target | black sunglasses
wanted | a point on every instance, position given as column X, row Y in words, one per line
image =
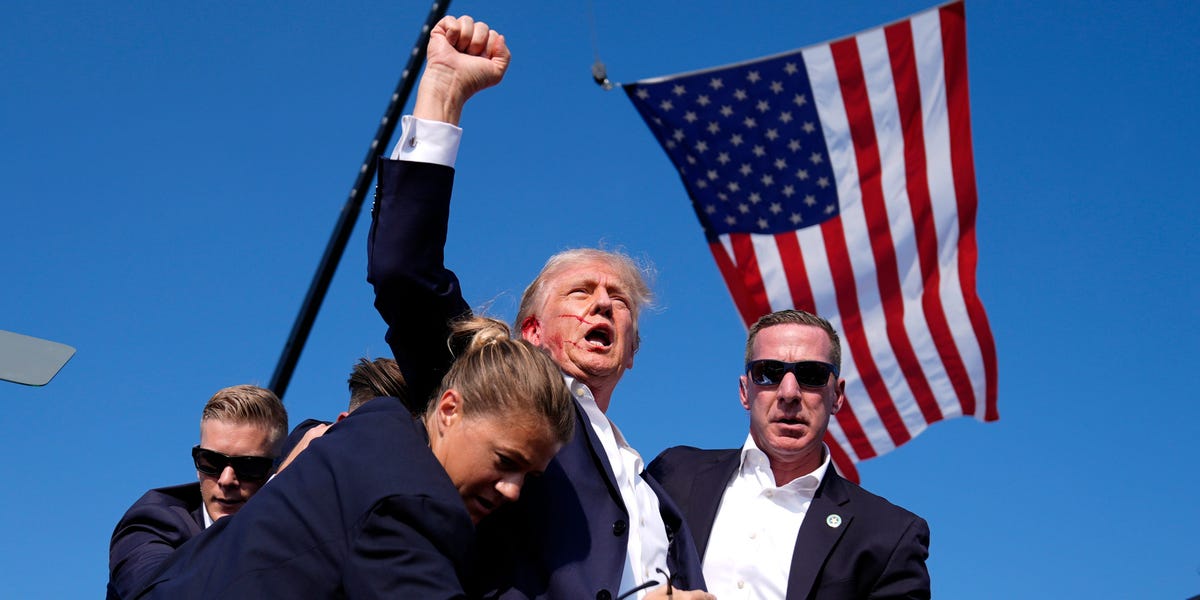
column 247, row 468
column 809, row 373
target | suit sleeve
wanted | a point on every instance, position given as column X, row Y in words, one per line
column 415, row 293
column 409, row 547
column 142, row 542
column 905, row 574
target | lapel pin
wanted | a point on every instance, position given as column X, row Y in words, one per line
column 834, row 521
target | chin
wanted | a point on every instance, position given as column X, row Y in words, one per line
column 791, row 444
column 603, row 366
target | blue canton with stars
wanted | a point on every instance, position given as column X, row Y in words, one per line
column 748, row 144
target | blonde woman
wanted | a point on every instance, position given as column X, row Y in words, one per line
column 385, row 503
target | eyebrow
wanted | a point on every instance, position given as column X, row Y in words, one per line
column 514, row 455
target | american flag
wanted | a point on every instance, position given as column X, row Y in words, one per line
column 839, row 179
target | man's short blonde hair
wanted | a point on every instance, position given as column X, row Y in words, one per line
column 249, row 404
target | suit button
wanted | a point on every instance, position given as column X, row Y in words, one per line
column 603, row 595
column 619, row 527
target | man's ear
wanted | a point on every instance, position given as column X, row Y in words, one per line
column 531, row 330
column 840, row 399
column 744, row 393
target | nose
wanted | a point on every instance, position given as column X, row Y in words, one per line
column 789, row 388
column 227, row 477
column 510, row 487
column 601, row 302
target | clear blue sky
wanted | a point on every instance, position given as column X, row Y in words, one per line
column 172, row 172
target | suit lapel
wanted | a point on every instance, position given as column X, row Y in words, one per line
column 589, row 444
column 195, row 502
column 826, row 521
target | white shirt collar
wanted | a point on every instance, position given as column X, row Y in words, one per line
column 755, row 463
column 599, row 420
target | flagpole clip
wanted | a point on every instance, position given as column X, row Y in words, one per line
column 600, row 76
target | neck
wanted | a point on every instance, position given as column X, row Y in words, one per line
column 430, row 430
column 602, row 390
column 788, row 471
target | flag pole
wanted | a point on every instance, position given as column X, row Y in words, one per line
column 350, row 211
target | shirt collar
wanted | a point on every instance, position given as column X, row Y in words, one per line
column 756, row 463
column 599, row 421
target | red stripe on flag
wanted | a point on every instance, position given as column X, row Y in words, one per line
column 856, row 338
column 954, row 51
column 752, row 280
column 908, row 99
column 841, row 460
column 733, row 281
column 853, row 429
column 870, row 175
column 793, row 268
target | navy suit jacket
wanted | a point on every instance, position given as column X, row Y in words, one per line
column 877, row 551
column 567, row 535
column 366, row 511
column 158, row 523
column 295, row 436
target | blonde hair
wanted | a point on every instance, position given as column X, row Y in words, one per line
column 249, row 404
column 498, row 375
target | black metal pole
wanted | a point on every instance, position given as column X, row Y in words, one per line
column 352, row 208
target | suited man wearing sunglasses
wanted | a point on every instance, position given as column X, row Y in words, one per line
column 241, row 430
column 772, row 519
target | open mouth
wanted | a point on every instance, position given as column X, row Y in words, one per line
column 600, row 335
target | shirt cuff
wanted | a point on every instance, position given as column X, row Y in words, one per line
column 427, row 141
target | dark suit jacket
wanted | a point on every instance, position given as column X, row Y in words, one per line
column 365, row 512
column 567, row 535
column 158, row 523
column 295, row 436
column 878, row 550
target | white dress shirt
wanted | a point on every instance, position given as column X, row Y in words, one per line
column 749, row 553
column 647, row 549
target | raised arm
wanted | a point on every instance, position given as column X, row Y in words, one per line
column 415, row 293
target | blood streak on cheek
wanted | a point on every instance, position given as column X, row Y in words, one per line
column 580, row 318
column 555, row 341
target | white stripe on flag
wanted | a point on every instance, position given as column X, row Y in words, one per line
column 931, row 71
